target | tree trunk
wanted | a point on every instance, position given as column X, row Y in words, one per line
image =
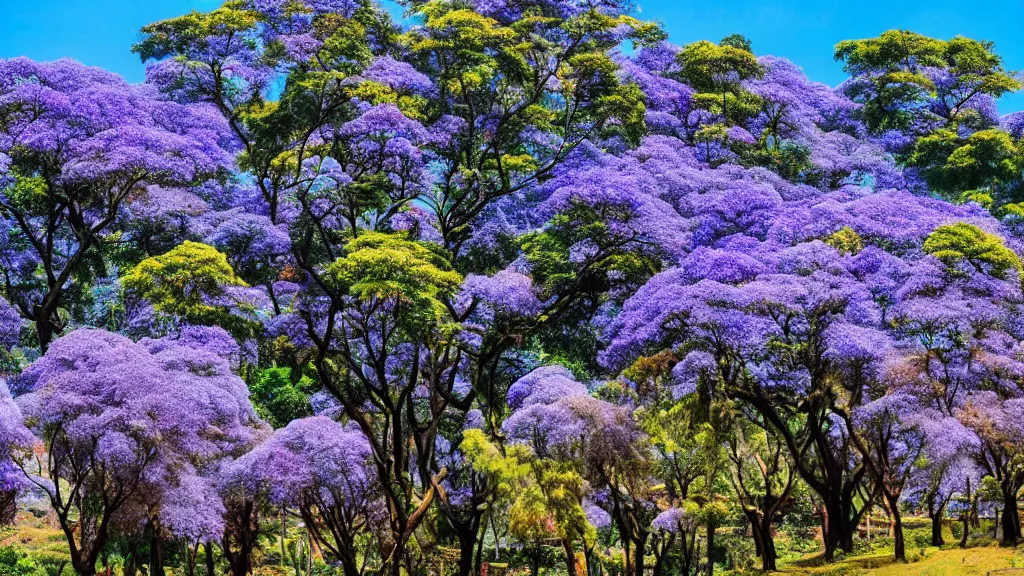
column 765, row 544
column 967, row 528
column 8, row 507
column 156, row 554
column 937, row 539
column 837, row 532
column 467, row 544
column 891, row 513
column 535, row 561
column 1011, row 520
column 687, row 562
column 900, row 551
column 711, row 549
column 639, row 545
column 753, row 520
column 570, row 556
column 209, row 558
column 44, row 332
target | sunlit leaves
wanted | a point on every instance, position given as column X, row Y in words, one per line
column 964, row 244
column 388, row 269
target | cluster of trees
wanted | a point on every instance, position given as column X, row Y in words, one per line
column 489, row 278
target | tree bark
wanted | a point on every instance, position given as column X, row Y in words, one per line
column 899, row 546
column 467, row 545
column 209, row 558
column 967, row 528
column 570, row 556
column 764, row 542
column 156, row 553
column 837, row 534
column 8, row 507
column 639, row 545
column 1011, row 520
column 937, row 539
column 711, row 549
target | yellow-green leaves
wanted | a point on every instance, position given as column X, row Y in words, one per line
column 176, row 35
column 543, row 496
column 892, row 49
column 186, row 282
column 716, row 71
column 28, row 192
column 506, row 470
column 846, row 241
column 707, row 66
column 473, row 44
column 963, row 244
column 389, row 269
column 896, row 73
column 952, row 165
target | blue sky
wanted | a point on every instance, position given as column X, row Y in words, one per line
column 100, row 32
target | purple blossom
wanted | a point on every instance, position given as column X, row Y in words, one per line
column 10, row 326
column 543, row 386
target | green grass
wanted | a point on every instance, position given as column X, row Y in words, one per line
column 980, row 559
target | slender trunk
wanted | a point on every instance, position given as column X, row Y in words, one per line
column 900, row 552
column 766, row 544
column 570, row 556
column 1011, row 520
column 937, row 539
column 711, row 549
column 156, row 554
column 752, row 519
column 209, row 558
column 975, row 517
column 687, row 553
column 535, row 561
column 284, row 534
column 8, row 507
column 660, row 548
column 467, row 544
column 967, row 526
column 892, row 513
column 480, row 536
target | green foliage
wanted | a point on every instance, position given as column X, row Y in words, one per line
column 952, row 165
column 896, row 63
column 279, row 397
column 412, row 276
column 544, row 496
column 14, row 562
column 175, row 35
column 738, row 41
column 506, row 470
column 188, row 283
column 547, row 251
column 715, row 68
column 961, row 243
column 979, row 197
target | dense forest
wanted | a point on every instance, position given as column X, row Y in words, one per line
column 505, row 286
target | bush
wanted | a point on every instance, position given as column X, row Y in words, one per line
column 739, row 553
column 14, row 562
